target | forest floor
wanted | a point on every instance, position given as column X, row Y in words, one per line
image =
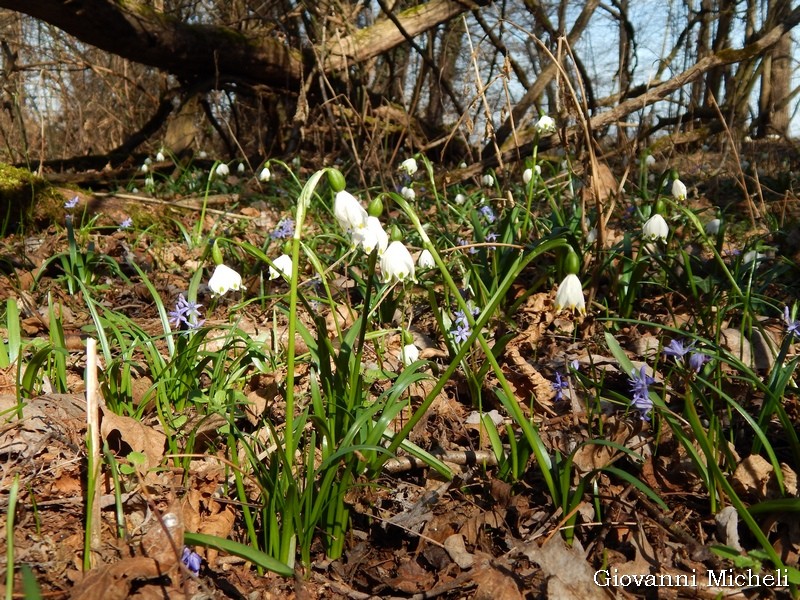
column 413, row 533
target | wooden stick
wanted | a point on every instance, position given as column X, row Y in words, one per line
column 93, row 435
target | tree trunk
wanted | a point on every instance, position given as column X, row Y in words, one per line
column 776, row 77
column 197, row 52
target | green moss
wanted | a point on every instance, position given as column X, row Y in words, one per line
column 20, row 193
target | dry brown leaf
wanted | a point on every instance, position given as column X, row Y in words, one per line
column 568, row 574
column 137, row 435
column 752, row 476
column 220, row 525
column 493, row 584
column 455, row 547
column 113, row 582
column 592, row 456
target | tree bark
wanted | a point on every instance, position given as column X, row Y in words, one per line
column 196, row 52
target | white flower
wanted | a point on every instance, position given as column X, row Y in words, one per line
column 282, row 266
column 752, row 256
column 349, row 212
column 397, row 263
column 202, row 154
column 460, row 199
column 570, row 295
column 146, row 167
column 678, row 190
column 265, row 174
column 371, row 236
column 655, row 228
column 487, row 180
column 425, row 260
column 408, row 193
column 222, row 170
column 650, row 160
column 545, row 125
column 409, row 354
column 712, row 227
column 409, row 165
column 527, row 175
column 591, row 236
column 224, row 279
column 160, row 156
column 240, row 168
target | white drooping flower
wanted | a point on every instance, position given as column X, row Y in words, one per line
column 527, row 175
column 545, row 125
column 678, row 190
column 460, row 199
column 224, row 279
column 408, row 193
column 487, row 180
column 752, row 256
column 222, row 170
column 160, row 156
column 409, row 354
column 409, row 166
column 570, row 295
column 650, row 160
column 371, row 236
column 397, row 263
column 425, row 260
column 281, row 266
column 655, row 228
column 265, row 174
column 240, row 168
column 712, row 227
column 202, row 154
column 349, row 212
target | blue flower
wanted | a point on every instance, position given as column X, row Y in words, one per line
column 559, row 385
column 697, row 360
column 461, row 319
column 72, row 203
column 640, row 387
column 284, row 229
column 487, row 213
column 192, row 560
column 792, row 327
column 677, row 349
column 128, row 222
column 186, row 313
column 461, row 333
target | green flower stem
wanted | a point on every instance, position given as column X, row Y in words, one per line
column 302, row 205
column 511, row 405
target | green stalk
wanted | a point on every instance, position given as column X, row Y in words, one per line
column 511, row 405
column 302, row 203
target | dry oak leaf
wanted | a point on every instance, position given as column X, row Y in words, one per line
column 137, row 435
column 113, row 582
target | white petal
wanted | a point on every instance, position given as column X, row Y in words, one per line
column 397, row 263
column 655, row 228
column 425, row 260
column 409, row 354
column 224, row 279
column 678, row 190
column 283, row 266
column 349, row 212
column 570, row 295
column 409, row 165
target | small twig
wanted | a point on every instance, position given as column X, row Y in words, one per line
column 461, row 457
column 93, row 435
